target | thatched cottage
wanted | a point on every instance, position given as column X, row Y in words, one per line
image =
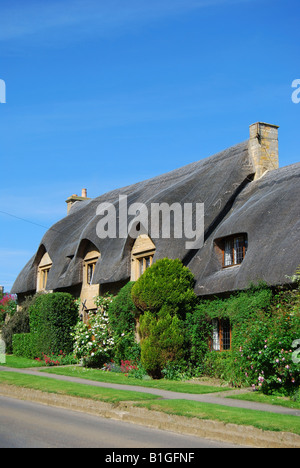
column 251, row 229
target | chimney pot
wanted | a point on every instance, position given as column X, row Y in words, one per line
column 75, row 198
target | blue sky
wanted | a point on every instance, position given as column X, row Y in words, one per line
column 102, row 94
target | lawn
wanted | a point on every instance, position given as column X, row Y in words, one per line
column 259, row 419
column 175, row 386
column 21, row 362
column 45, row 384
column 267, row 399
column 119, row 378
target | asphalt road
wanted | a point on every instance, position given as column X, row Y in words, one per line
column 26, row 424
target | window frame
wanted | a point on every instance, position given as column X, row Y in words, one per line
column 89, row 263
column 90, row 270
column 142, row 256
column 233, row 249
column 43, row 271
column 141, row 263
column 221, row 335
column 90, row 256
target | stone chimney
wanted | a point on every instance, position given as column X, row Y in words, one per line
column 75, row 198
column 263, row 148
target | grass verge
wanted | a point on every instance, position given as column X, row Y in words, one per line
column 114, row 377
column 21, row 362
column 262, row 420
column 267, row 399
column 175, row 386
column 45, row 384
column 259, row 419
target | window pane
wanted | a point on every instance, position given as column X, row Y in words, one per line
column 141, row 266
column 90, row 272
column 45, row 278
column 147, row 260
column 228, row 260
column 225, row 334
column 216, row 339
column 238, row 250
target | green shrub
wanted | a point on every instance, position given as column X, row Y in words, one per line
column 176, row 371
column 263, row 347
column 122, row 315
column 167, row 283
column 52, row 318
column 240, row 306
column 22, row 345
column 19, row 323
column 164, row 294
column 162, row 341
column 217, row 364
column 264, row 326
column 198, row 331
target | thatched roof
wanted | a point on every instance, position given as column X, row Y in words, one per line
column 266, row 209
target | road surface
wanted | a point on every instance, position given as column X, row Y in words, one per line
column 25, row 424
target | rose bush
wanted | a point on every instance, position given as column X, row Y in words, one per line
column 8, row 306
column 93, row 341
column 265, row 357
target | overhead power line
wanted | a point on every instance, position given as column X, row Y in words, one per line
column 30, row 222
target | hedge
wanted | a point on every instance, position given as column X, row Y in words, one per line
column 52, row 317
column 23, row 345
column 19, row 323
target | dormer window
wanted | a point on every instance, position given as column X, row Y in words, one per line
column 232, row 249
column 235, row 248
column 44, row 268
column 144, row 263
column 44, row 277
column 90, row 271
column 89, row 266
column 141, row 256
column 90, row 256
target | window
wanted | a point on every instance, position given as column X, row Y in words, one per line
column 221, row 337
column 233, row 249
column 89, row 265
column 225, row 335
column 90, row 272
column 90, row 289
column 44, row 277
column 142, row 255
column 144, row 263
column 44, row 268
